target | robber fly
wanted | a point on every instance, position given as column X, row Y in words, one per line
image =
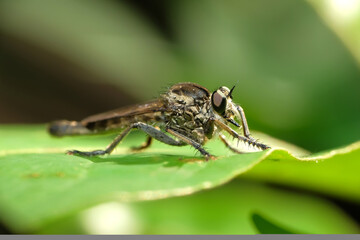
column 187, row 114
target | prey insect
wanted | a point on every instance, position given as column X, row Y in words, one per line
column 187, row 114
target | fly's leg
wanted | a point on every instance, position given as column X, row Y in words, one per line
column 233, row 133
column 150, row 130
column 191, row 142
column 108, row 149
column 244, row 122
column 146, row 144
column 227, row 144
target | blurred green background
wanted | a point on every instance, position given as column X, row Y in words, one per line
column 296, row 62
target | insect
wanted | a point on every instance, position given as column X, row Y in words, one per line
column 187, row 114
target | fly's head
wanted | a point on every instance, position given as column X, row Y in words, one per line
column 223, row 105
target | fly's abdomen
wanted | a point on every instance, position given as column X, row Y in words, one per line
column 65, row 127
column 122, row 122
column 68, row 128
column 106, row 124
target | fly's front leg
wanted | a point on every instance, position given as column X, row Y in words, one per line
column 150, row 130
column 244, row 122
column 227, row 144
column 233, row 133
column 191, row 142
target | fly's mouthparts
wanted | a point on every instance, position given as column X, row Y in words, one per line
column 232, row 121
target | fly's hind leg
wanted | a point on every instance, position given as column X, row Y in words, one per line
column 146, row 144
column 150, row 130
column 108, row 149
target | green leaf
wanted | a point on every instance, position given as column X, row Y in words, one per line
column 229, row 210
column 333, row 172
column 39, row 183
column 225, row 210
column 265, row 226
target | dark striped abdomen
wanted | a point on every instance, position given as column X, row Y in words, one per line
column 122, row 122
column 65, row 127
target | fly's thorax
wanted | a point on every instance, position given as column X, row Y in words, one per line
column 194, row 128
column 188, row 108
column 188, row 114
column 187, row 105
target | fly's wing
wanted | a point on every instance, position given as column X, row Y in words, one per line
column 123, row 116
column 148, row 112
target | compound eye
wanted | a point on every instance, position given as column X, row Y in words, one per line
column 218, row 102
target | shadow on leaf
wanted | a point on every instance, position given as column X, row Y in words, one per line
column 167, row 160
column 264, row 226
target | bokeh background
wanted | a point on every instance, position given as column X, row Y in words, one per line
column 296, row 62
